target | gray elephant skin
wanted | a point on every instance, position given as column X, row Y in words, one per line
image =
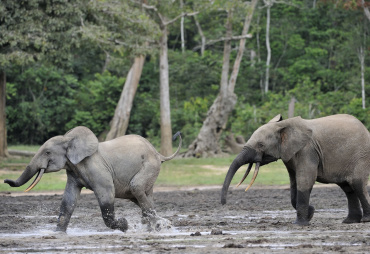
column 125, row 167
column 332, row 149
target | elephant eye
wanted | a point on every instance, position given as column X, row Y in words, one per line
column 260, row 145
column 47, row 153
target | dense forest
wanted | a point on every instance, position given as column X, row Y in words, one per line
column 64, row 63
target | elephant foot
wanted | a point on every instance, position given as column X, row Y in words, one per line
column 366, row 218
column 353, row 219
column 311, row 211
column 304, row 216
column 155, row 222
column 301, row 222
column 120, row 224
column 60, row 230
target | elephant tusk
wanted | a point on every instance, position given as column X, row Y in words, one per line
column 246, row 174
column 37, row 179
column 254, row 175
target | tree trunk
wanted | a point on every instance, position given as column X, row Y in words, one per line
column 366, row 9
column 121, row 116
column 203, row 46
column 226, row 58
column 235, row 145
column 207, row 142
column 267, row 77
column 291, row 107
column 259, row 54
column 3, row 141
column 182, row 28
column 239, row 56
column 361, row 57
column 166, row 129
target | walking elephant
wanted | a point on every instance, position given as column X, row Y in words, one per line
column 125, row 167
column 332, row 149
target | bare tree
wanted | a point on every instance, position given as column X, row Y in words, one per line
column 361, row 53
column 3, row 141
column 268, row 4
column 166, row 130
column 121, row 116
column 182, row 28
column 207, row 142
column 203, row 38
column 361, row 56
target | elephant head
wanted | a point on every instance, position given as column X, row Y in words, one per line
column 53, row 155
column 278, row 139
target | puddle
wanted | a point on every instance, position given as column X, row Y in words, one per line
column 71, row 249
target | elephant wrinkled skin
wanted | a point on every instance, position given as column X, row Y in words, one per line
column 332, row 149
column 125, row 167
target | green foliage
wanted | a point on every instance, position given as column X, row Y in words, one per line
column 355, row 108
column 38, row 29
column 40, row 105
column 55, row 55
column 96, row 100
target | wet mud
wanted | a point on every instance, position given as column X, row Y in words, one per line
column 258, row 221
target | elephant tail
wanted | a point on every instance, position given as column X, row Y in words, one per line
column 164, row 158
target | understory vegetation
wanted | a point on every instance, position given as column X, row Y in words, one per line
column 314, row 61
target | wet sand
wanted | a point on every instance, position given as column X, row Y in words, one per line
column 257, row 221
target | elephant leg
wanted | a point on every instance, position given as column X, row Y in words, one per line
column 142, row 200
column 106, row 202
column 306, row 174
column 141, row 187
column 144, row 196
column 149, row 216
column 304, row 210
column 354, row 207
column 69, row 202
column 293, row 189
column 360, row 189
column 294, row 194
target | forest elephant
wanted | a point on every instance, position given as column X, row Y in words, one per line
column 332, row 149
column 125, row 167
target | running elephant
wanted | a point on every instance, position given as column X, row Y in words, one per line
column 125, row 167
column 332, row 149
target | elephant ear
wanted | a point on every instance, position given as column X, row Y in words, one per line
column 83, row 143
column 276, row 119
column 293, row 138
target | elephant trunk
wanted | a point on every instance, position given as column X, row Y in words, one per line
column 247, row 155
column 25, row 177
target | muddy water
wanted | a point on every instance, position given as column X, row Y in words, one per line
column 259, row 221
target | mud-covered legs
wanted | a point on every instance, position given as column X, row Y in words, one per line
column 69, row 202
column 300, row 191
column 354, row 207
column 106, row 202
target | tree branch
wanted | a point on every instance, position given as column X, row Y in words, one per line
column 149, row 7
column 179, row 16
column 210, row 42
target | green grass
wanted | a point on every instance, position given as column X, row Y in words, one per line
column 212, row 171
column 24, row 148
column 177, row 172
column 49, row 182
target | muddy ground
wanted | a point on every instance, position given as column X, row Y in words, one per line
column 259, row 221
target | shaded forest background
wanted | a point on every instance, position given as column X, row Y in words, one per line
column 78, row 77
